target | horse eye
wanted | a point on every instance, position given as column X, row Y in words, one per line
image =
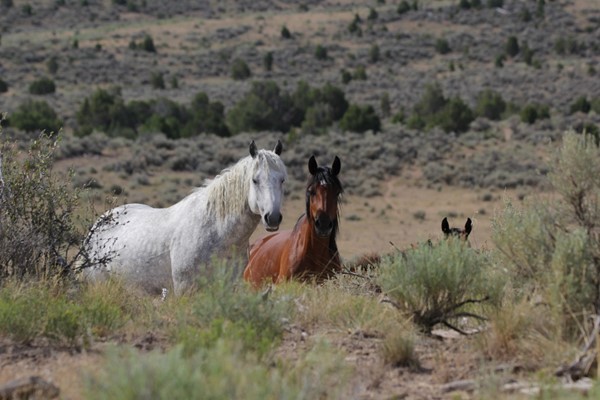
column 255, row 181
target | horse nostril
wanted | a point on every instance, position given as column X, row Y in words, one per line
column 280, row 219
column 267, row 217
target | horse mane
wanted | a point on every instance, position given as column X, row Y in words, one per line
column 227, row 193
column 324, row 176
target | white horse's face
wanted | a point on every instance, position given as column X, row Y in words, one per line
column 266, row 189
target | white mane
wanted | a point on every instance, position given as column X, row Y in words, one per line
column 227, row 193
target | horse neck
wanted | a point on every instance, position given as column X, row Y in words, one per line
column 227, row 225
column 316, row 250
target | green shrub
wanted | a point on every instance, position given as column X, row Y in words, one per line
column 442, row 46
column 385, row 106
column 223, row 371
column 456, row 116
column 37, row 228
column 532, row 112
column 240, row 70
column 360, row 73
column 525, row 14
column 223, row 309
column 403, row 7
column 527, row 54
column 372, row 14
column 42, row 86
column 321, row 52
column 432, row 101
column 285, row 33
column 595, row 105
column 439, row 284
column 316, row 120
column 512, row 46
column 45, row 310
column 268, row 61
column 7, row 3
column 335, row 98
column 27, row 9
column 3, row 86
column 580, row 105
column 104, row 110
column 32, row 116
column 265, row 107
column 157, row 80
column 490, row 105
column 550, row 248
column 148, row 44
column 464, row 4
column 360, row 119
column 206, row 117
column 589, row 128
column 374, row 54
column 566, row 45
column 499, row 61
column 52, row 65
column 354, row 26
column 346, row 76
column 495, row 3
column 433, row 109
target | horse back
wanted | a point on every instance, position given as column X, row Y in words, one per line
column 265, row 258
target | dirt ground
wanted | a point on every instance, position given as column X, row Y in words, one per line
column 368, row 225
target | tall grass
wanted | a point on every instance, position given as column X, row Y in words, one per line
column 223, row 371
column 225, row 308
column 48, row 310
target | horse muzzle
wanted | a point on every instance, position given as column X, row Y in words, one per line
column 323, row 225
column 272, row 221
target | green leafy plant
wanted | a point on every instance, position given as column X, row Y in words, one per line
column 42, row 86
column 439, row 284
column 240, row 70
column 550, row 247
column 490, row 105
column 38, row 235
column 360, row 119
column 36, row 116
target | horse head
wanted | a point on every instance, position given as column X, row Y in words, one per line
column 266, row 190
column 322, row 193
column 463, row 234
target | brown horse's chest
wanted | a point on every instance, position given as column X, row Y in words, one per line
column 313, row 261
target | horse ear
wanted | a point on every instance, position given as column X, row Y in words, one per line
column 445, row 226
column 336, row 166
column 253, row 149
column 312, row 165
column 468, row 226
column 278, row 148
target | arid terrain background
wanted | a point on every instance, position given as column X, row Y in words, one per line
column 399, row 181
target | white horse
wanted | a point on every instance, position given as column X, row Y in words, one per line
column 159, row 248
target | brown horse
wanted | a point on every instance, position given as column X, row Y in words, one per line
column 462, row 234
column 309, row 250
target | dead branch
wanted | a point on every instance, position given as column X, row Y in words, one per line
column 582, row 364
